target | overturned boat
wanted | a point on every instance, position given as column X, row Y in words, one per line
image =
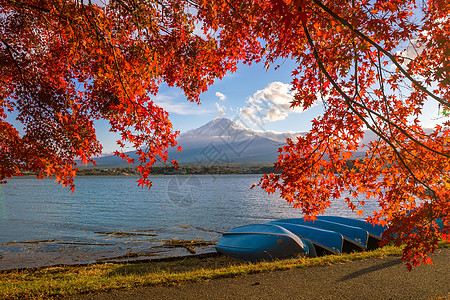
column 354, row 238
column 257, row 242
column 297, row 237
column 324, row 241
column 375, row 231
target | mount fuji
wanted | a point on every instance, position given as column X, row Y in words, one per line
column 220, row 142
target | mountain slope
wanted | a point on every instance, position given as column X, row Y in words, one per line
column 222, row 141
column 219, row 142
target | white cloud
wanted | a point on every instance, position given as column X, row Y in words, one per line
column 198, row 30
column 173, row 103
column 220, row 110
column 221, row 96
column 410, row 53
column 101, row 3
column 276, row 114
column 273, row 103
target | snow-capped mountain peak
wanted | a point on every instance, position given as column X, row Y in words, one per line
column 221, row 142
column 222, row 127
column 219, row 127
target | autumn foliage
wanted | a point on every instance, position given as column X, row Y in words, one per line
column 349, row 55
column 65, row 64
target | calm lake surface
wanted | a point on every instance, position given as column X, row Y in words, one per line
column 110, row 218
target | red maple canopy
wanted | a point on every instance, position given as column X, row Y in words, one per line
column 65, row 64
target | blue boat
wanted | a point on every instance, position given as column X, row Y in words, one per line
column 331, row 241
column 258, row 242
column 292, row 237
column 355, row 238
column 375, row 231
column 312, row 252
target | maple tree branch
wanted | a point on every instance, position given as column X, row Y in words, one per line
column 101, row 37
column 386, row 103
column 397, row 127
column 379, row 48
column 124, row 5
column 349, row 102
column 22, row 78
column 27, row 5
column 193, row 3
column 237, row 12
column 387, row 108
column 390, row 123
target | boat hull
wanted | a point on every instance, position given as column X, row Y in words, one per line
column 260, row 242
column 375, row 231
column 326, row 239
column 355, row 236
column 293, row 237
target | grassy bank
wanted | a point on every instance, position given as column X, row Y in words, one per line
column 69, row 280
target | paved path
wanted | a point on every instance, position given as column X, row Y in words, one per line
column 385, row 278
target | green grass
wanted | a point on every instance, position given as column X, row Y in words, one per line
column 52, row 282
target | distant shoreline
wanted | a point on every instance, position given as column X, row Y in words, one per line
column 182, row 170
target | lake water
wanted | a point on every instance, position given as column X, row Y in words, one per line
column 109, row 218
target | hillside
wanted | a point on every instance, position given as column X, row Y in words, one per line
column 219, row 142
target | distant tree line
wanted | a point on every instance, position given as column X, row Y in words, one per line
column 182, row 170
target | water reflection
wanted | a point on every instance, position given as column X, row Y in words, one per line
column 2, row 204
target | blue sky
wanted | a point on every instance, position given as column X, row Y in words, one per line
column 241, row 94
column 237, row 95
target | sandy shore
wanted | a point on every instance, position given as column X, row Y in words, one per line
column 385, row 278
